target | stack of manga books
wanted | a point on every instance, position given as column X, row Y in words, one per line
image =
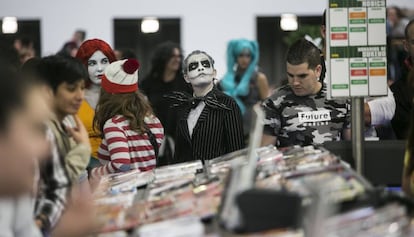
column 170, row 196
column 301, row 169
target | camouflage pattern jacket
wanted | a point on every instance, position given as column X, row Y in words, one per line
column 305, row 120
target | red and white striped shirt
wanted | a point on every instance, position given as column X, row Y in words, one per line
column 123, row 149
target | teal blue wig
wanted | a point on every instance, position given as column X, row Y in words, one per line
column 228, row 83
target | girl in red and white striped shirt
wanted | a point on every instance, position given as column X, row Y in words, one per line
column 126, row 121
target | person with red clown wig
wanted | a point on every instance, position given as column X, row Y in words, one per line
column 96, row 55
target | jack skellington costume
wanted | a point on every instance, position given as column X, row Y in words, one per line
column 210, row 122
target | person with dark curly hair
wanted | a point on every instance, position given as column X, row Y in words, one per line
column 165, row 76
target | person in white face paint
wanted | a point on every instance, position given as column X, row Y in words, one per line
column 210, row 122
column 299, row 113
column 96, row 55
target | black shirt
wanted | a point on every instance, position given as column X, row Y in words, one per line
column 403, row 104
column 155, row 89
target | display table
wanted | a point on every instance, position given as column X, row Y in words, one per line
column 295, row 190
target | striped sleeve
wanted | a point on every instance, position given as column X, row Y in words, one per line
column 156, row 128
column 114, row 149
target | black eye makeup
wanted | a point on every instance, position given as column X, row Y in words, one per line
column 192, row 66
column 206, row 63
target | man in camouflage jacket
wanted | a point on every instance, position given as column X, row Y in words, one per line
column 299, row 113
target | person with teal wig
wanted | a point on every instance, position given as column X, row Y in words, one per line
column 243, row 81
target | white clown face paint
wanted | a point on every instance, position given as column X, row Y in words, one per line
column 96, row 66
column 200, row 71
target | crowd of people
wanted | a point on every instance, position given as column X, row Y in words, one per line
column 68, row 119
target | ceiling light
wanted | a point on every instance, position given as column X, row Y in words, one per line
column 289, row 22
column 150, row 25
column 9, row 25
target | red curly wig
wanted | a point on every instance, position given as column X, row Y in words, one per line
column 89, row 47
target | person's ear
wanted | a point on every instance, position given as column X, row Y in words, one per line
column 214, row 73
column 323, row 31
column 318, row 70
